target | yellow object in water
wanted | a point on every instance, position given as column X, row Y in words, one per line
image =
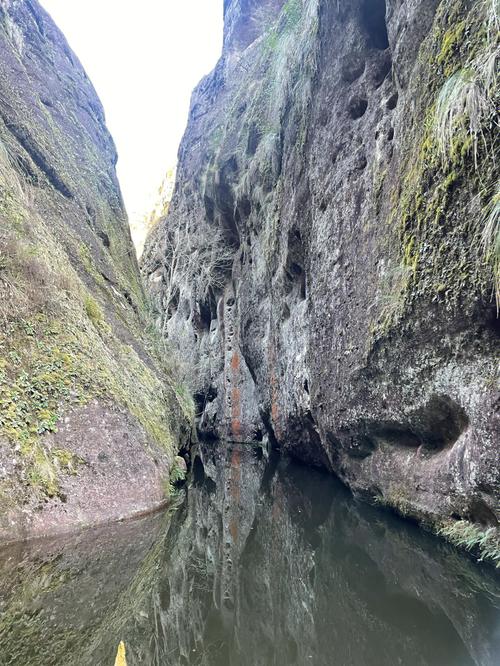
column 121, row 659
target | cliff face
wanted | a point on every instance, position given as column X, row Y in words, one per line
column 337, row 186
column 90, row 417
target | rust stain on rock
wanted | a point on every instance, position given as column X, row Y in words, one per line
column 235, row 362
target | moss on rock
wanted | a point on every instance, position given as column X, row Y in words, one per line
column 76, row 325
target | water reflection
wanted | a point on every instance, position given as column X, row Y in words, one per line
column 260, row 565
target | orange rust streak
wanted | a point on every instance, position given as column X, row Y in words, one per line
column 235, row 362
column 236, row 412
column 233, row 530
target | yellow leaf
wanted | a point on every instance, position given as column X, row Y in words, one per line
column 121, row 659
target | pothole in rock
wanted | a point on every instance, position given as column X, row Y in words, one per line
column 357, row 107
column 392, row 102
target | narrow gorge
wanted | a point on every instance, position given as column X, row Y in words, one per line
column 273, row 439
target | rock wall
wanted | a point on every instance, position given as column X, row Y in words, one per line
column 354, row 325
column 91, row 416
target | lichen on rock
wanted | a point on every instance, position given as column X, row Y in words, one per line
column 92, row 413
column 356, row 327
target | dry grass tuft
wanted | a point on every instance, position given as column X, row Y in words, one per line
column 491, row 237
column 467, row 107
column 27, row 285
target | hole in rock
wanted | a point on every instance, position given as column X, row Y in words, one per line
column 361, row 162
column 104, row 238
column 200, row 402
column 207, row 311
column 198, row 471
column 382, row 70
column 357, row 107
column 441, row 422
column 209, row 208
column 373, row 18
column 480, row 512
column 224, row 199
column 244, row 207
column 352, row 69
column 254, row 137
column 493, row 320
column 174, row 301
column 259, row 436
column 436, row 426
column 392, row 102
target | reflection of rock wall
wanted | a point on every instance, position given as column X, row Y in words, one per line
column 286, row 569
column 260, row 565
column 65, row 602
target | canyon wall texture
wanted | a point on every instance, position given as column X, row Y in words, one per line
column 90, row 416
column 327, row 270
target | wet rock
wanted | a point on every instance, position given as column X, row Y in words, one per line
column 357, row 327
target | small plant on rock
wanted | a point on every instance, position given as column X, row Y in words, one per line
column 474, row 538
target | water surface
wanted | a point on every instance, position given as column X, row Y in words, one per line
column 261, row 564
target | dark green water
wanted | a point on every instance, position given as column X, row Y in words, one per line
column 260, row 565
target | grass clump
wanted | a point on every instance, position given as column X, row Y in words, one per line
column 466, row 113
column 474, row 538
column 466, row 105
column 396, row 499
column 177, row 476
column 491, row 237
column 178, row 472
column 93, row 311
column 445, row 209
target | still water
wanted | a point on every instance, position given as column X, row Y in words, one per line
column 260, row 564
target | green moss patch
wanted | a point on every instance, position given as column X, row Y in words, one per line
column 437, row 209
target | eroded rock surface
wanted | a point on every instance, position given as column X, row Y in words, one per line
column 90, row 416
column 355, row 324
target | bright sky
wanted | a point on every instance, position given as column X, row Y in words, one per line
column 144, row 59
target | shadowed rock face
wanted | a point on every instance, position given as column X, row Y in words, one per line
column 89, row 421
column 357, row 324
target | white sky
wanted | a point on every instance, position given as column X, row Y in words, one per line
column 144, row 58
